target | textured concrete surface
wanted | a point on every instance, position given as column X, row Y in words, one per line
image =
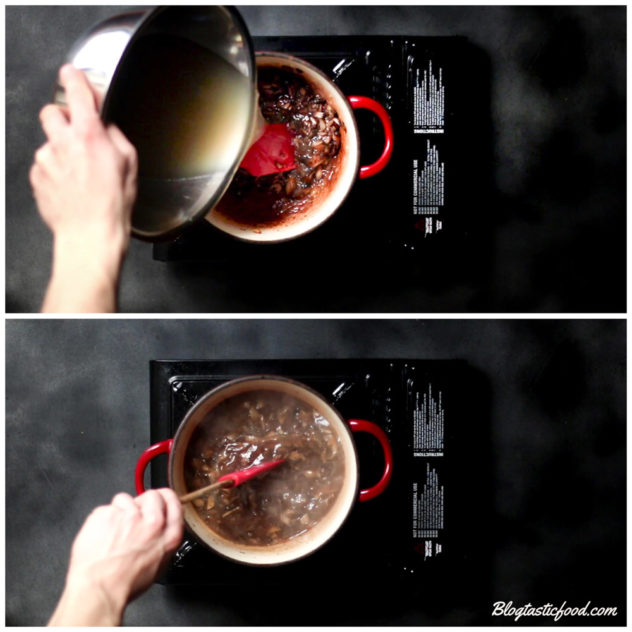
column 558, row 117
column 77, row 418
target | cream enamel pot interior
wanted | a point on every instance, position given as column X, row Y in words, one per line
column 315, row 537
column 329, row 198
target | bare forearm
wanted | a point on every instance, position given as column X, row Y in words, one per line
column 84, row 181
column 84, row 278
column 86, row 604
column 117, row 555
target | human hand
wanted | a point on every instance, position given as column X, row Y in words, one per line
column 119, row 552
column 84, row 180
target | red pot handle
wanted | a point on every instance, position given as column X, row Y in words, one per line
column 162, row 447
column 372, row 105
column 360, row 425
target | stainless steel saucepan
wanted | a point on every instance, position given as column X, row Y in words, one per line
column 168, row 204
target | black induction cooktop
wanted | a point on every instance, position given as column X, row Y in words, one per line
column 429, row 528
column 431, row 206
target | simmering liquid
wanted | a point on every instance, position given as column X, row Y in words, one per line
column 185, row 109
column 253, row 428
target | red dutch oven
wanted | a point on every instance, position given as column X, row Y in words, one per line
column 328, row 199
column 299, row 546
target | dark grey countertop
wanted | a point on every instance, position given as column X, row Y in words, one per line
column 77, row 418
column 557, row 214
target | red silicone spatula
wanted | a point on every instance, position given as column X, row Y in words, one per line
column 232, row 480
column 272, row 153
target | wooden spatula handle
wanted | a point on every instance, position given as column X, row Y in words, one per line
column 205, row 490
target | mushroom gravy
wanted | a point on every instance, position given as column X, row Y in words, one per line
column 253, row 428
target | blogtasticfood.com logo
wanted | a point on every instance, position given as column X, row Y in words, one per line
column 508, row 609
